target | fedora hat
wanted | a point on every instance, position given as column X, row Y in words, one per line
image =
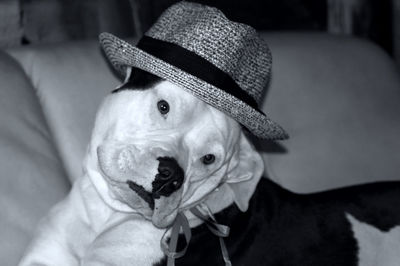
column 224, row 63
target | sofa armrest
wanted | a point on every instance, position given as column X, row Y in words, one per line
column 71, row 79
column 32, row 177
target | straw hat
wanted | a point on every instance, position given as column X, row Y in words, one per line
column 224, row 63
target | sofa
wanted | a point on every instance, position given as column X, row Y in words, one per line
column 338, row 98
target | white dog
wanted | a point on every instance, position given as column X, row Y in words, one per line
column 158, row 151
column 153, row 153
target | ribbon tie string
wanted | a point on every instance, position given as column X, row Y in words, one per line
column 181, row 223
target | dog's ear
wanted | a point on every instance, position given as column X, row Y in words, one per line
column 244, row 172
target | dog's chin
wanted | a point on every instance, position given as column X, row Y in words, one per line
column 162, row 220
column 159, row 218
column 166, row 209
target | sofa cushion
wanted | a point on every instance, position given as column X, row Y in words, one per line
column 32, row 177
column 339, row 100
column 71, row 80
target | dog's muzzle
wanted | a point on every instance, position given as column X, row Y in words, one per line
column 168, row 180
column 162, row 199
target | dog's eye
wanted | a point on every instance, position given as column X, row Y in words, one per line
column 163, row 107
column 208, row 159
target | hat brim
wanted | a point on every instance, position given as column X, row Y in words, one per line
column 122, row 54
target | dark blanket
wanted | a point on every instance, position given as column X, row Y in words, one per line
column 284, row 228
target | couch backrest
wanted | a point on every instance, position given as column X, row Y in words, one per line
column 339, row 99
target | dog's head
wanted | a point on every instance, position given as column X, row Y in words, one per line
column 158, row 149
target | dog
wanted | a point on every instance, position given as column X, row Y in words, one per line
column 154, row 151
column 99, row 224
column 174, row 137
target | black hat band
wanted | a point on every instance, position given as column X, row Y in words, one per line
column 195, row 65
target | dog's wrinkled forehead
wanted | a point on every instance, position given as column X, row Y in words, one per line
column 163, row 109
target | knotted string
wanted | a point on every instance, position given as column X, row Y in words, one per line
column 169, row 250
column 217, row 229
column 181, row 223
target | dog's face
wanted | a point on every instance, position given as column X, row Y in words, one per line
column 160, row 150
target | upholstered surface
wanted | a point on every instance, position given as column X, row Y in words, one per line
column 32, row 177
column 71, row 80
column 339, row 99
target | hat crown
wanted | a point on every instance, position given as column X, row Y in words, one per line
column 233, row 47
column 224, row 63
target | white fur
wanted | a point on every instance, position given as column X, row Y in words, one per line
column 102, row 221
column 376, row 247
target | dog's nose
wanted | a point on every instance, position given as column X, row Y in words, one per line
column 169, row 178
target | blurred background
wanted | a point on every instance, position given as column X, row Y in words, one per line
column 25, row 22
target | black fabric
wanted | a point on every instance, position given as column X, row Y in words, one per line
column 284, row 228
column 195, row 65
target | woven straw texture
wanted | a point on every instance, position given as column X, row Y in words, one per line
column 234, row 48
